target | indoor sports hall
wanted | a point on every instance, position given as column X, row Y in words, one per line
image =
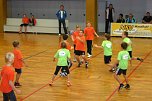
column 33, row 48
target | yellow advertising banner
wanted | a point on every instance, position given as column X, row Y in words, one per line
column 133, row 29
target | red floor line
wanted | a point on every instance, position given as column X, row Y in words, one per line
column 109, row 97
column 48, row 83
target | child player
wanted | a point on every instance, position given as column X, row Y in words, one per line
column 107, row 46
column 65, row 38
column 7, row 77
column 89, row 32
column 62, row 55
column 122, row 61
column 18, row 62
column 80, row 48
column 73, row 37
column 129, row 48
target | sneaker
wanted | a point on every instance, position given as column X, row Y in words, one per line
column 89, row 55
column 69, row 83
column 74, row 60
column 127, row 86
column 79, row 64
column 121, row 86
column 61, row 74
column 110, row 70
column 51, row 83
column 86, row 64
column 17, row 84
column 140, row 59
column 113, row 70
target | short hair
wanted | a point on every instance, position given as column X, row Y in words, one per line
column 63, row 45
column 107, row 36
column 9, row 57
column 15, row 43
column 124, row 45
column 65, row 37
column 125, row 33
column 61, row 5
column 148, row 13
column 82, row 31
column 121, row 14
column 77, row 26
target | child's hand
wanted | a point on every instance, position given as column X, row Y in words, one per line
column 97, row 36
column 78, row 38
column 95, row 45
column 53, row 59
column 72, row 47
column 18, row 91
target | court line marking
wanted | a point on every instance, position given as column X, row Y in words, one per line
column 147, row 54
column 35, row 54
column 54, row 80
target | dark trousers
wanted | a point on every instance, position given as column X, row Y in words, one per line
column 89, row 47
column 107, row 25
column 9, row 96
column 64, row 26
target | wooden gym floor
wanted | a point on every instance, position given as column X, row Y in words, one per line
column 94, row 84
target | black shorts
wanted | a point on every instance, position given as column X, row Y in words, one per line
column 24, row 25
column 74, row 48
column 77, row 52
column 63, row 68
column 18, row 71
column 107, row 59
column 130, row 53
column 121, row 71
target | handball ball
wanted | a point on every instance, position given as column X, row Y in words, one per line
column 71, row 32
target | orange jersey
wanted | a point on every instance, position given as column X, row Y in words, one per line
column 80, row 45
column 18, row 63
column 67, row 44
column 75, row 34
column 25, row 20
column 7, row 74
column 89, row 32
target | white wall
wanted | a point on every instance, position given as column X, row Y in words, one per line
column 149, row 6
column 77, row 9
column 48, row 8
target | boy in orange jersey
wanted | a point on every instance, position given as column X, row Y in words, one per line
column 89, row 32
column 25, row 22
column 18, row 62
column 73, row 36
column 80, row 48
column 7, row 77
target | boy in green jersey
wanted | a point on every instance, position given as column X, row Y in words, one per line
column 107, row 47
column 122, row 61
column 62, row 55
column 129, row 48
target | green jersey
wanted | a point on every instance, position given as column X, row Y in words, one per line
column 62, row 55
column 107, row 46
column 128, row 41
column 123, row 57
